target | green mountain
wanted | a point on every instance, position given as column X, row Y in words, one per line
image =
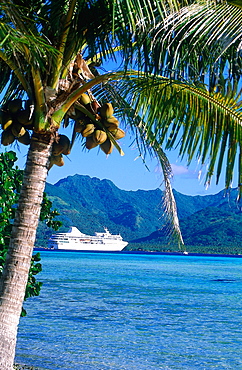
column 214, row 229
column 91, row 204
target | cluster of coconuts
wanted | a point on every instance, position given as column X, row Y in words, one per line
column 95, row 131
column 16, row 122
column 61, row 145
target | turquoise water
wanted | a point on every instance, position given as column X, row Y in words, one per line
column 134, row 312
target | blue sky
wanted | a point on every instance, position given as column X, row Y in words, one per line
column 127, row 172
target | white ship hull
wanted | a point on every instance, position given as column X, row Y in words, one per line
column 74, row 240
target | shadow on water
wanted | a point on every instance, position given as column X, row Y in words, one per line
column 225, row 280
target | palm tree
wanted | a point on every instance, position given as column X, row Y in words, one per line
column 49, row 59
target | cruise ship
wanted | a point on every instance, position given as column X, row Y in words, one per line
column 75, row 240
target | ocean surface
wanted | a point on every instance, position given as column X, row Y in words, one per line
column 104, row 311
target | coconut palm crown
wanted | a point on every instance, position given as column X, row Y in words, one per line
column 50, row 60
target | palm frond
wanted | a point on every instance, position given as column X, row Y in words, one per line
column 169, row 202
column 203, row 125
column 21, row 52
column 201, row 38
column 236, row 3
column 105, row 25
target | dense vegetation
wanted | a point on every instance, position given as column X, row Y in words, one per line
column 11, row 178
column 171, row 248
column 209, row 224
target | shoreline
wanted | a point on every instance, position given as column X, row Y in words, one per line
column 185, row 254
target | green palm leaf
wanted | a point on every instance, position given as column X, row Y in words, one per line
column 202, row 39
column 187, row 116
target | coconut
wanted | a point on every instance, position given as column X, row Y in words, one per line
column 107, row 147
column 111, row 123
column 118, row 134
column 23, row 117
column 6, row 120
column 111, row 126
column 99, row 136
column 90, row 143
column 14, row 105
column 88, row 130
column 17, row 129
column 57, row 160
column 65, row 143
column 112, row 120
column 79, row 126
column 84, row 99
column 106, row 110
column 62, row 146
column 7, row 137
column 25, row 139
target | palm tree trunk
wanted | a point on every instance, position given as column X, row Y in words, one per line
column 15, row 274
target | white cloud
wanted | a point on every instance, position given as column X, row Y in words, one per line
column 179, row 170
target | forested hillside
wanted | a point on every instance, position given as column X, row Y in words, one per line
column 91, row 204
column 210, row 230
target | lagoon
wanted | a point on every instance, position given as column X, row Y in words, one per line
column 114, row 311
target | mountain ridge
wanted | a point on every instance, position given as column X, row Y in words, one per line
column 91, row 204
